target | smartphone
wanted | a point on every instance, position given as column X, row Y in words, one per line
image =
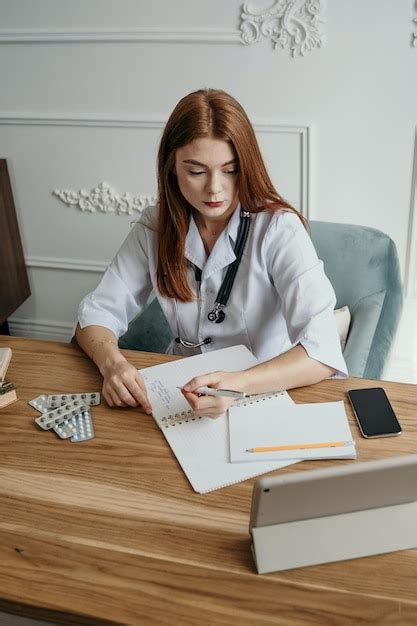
column 374, row 413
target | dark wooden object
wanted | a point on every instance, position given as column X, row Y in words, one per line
column 14, row 283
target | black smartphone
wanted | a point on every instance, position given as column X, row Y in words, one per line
column 374, row 413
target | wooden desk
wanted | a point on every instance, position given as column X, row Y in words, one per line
column 110, row 532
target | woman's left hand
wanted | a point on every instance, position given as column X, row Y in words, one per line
column 212, row 406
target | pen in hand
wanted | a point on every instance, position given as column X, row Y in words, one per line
column 226, row 393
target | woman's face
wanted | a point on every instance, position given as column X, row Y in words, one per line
column 207, row 173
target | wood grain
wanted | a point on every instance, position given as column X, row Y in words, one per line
column 14, row 283
column 109, row 531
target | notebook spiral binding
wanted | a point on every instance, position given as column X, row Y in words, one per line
column 189, row 416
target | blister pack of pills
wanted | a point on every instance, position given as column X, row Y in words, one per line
column 83, row 425
column 90, row 399
column 68, row 415
column 44, row 403
column 57, row 416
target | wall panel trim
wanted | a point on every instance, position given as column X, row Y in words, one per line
column 27, row 118
column 41, row 329
column 56, row 263
column 302, row 131
column 142, row 35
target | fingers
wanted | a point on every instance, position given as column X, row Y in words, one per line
column 207, row 406
column 117, row 399
column 124, row 386
column 210, row 406
column 140, row 392
column 208, row 380
column 121, row 395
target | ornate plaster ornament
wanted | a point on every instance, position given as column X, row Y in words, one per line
column 290, row 24
column 104, row 199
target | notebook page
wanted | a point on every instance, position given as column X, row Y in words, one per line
column 162, row 380
column 270, row 424
column 201, row 446
column 202, row 450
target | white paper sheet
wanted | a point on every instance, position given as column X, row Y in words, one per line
column 277, row 423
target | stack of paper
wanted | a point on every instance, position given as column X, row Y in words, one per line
column 293, row 431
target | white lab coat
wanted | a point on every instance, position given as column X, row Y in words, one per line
column 281, row 296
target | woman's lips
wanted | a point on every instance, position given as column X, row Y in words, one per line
column 214, row 205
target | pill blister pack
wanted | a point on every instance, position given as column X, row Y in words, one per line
column 83, row 424
column 44, row 403
column 68, row 415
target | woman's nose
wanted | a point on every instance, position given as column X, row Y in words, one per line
column 214, row 185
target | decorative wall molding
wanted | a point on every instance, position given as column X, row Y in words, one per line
column 303, row 132
column 104, row 199
column 71, row 265
column 290, row 24
column 28, row 118
column 40, row 329
column 142, row 35
column 59, row 331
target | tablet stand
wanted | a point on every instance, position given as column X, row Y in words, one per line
column 335, row 537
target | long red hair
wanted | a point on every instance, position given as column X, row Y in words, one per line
column 205, row 113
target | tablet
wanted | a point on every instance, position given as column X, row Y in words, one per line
column 334, row 490
column 333, row 514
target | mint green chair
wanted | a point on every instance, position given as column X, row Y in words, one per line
column 362, row 265
column 149, row 331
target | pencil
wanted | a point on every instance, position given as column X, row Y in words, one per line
column 299, row 446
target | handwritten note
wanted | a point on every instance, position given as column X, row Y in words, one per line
column 162, row 391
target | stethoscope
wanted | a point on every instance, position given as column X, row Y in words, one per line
column 217, row 314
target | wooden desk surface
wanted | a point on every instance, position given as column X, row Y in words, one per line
column 109, row 531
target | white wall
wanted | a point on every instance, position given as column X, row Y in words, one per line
column 84, row 97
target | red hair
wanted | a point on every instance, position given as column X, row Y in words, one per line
column 205, row 113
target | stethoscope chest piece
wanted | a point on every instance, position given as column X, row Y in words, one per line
column 217, row 315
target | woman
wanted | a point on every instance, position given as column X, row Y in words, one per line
column 230, row 261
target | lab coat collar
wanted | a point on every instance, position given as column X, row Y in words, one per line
column 222, row 254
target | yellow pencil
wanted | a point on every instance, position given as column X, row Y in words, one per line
column 299, row 446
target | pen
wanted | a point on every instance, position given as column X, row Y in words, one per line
column 301, row 446
column 227, row 393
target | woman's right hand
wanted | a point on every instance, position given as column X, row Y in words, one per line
column 123, row 384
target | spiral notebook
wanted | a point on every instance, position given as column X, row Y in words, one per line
column 201, row 445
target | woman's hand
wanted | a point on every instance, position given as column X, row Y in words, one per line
column 123, row 385
column 211, row 406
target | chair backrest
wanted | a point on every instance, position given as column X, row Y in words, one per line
column 149, row 331
column 362, row 265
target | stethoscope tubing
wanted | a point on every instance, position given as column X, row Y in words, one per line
column 217, row 314
column 227, row 284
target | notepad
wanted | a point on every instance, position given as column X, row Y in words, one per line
column 201, row 445
column 272, row 423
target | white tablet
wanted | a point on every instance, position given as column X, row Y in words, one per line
column 339, row 506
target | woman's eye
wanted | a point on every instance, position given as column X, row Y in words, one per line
column 196, row 173
column 231, row 172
